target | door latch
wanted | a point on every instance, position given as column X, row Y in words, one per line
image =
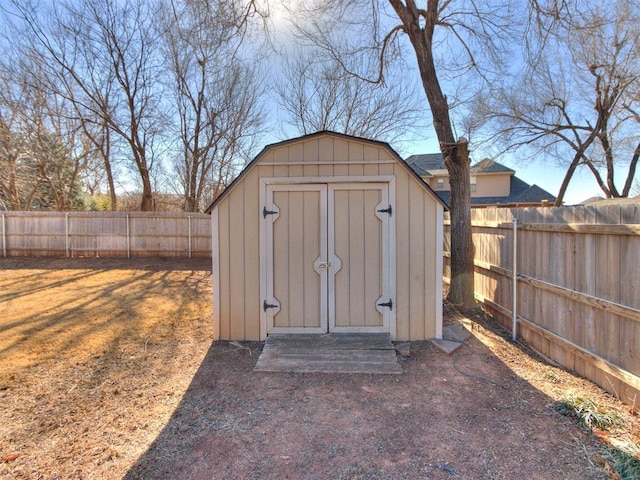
column 266, row 212
column 388, row 210
column 266, row 306
column 324, row 265
column 387, row 304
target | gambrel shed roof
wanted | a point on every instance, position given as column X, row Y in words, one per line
column 311, row 136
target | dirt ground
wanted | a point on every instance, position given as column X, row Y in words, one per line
column 107, row 370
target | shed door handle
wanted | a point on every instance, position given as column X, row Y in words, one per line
column 388, row 210
column 266, row 306
column 387, row 304
column 266, row 212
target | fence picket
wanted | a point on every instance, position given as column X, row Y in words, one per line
column 106, row 234
column 577, row 286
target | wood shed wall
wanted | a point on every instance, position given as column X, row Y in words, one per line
column 236, row 235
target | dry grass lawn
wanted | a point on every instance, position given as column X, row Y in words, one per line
column 95, row 356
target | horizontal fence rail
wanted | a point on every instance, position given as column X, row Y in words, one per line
column 105, row 234
column 576, row 275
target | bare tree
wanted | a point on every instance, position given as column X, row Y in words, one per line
column 10, row 146
column 216, row 93
column 576, row 99
column 96, row 129
column 43, row 155
column 103, row 56
column 321, row 95
column 17, row 180
column 59, row 152
column 633, row 107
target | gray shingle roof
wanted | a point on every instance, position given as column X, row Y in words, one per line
column 520, row 192
column 489, row 166
column 534, row 194
column 425, row 162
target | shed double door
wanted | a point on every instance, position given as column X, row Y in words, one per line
column 327, row 258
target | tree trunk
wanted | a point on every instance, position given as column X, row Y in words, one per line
column 632, row 171
column 192, row 204
column 462, row 248
column 608, row 155
column 14, row 192
column 579, row 155
column 106, row 156
column 455, row 153
column 111, row 185
column 139, row 156
column 146, row 203
column 599, row 181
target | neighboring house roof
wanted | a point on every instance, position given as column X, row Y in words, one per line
column 591, row 200
column 430, row 164
column 534, row 194
column 612, row 201
column 489, row 166
column 520, row 192
column 425, row 163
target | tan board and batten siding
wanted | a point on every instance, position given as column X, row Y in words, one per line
column 331, row 159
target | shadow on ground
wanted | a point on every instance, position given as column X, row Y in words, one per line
column 61, row 304
column 464, row 415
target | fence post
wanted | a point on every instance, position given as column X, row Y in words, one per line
column 66, row 234
column 189, row 236
column 4, row 235
column 128, row 238
column 514, row 282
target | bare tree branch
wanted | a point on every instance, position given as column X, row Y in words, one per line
column 592, row 90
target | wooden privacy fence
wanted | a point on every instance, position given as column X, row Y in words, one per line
column 577, row 285
column 105, row 234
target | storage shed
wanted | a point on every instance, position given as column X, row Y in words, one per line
column 327, row 233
